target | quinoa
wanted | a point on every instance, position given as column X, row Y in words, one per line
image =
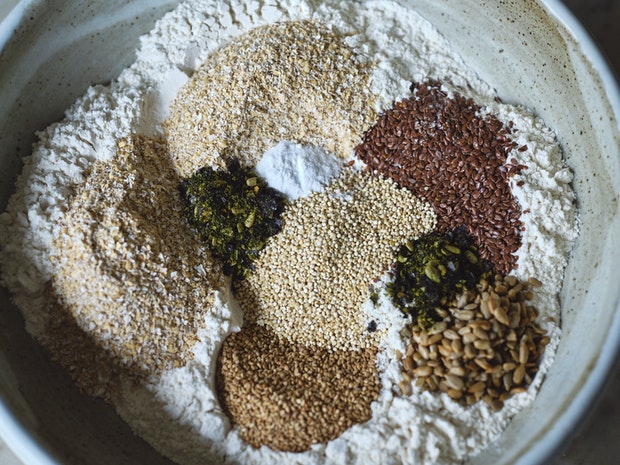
column 313, row 277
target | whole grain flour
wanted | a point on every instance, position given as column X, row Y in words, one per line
column 178, row 411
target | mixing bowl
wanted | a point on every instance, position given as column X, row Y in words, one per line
column 533, row 53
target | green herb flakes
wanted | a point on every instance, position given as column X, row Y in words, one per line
column 234, row 212
column 430, row 271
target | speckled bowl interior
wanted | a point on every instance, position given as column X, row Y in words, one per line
column 533, row 54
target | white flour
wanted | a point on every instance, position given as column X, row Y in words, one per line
column 178, row 411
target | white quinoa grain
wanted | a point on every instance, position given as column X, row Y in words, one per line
column 312, row 278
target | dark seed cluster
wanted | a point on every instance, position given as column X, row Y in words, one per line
column 441, row 148
column 234, row 212
column 431, row 270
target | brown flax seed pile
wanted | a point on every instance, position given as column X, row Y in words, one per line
column 445, row 152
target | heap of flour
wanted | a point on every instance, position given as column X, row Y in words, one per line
column 178, row 412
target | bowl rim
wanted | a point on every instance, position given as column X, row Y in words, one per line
column 11, row 21
column 27, row 447
column 31, row 450
column 569, row 421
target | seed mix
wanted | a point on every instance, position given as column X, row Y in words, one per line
column 94, row 122
column 487, row 347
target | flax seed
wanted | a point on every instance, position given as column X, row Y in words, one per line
column 455, row 169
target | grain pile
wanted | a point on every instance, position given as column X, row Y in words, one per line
column 128, row 269
column 94, row 369
column 447, row 154
column 295, row 80
column 288, row 396
column 487, row 347
column 312, row 278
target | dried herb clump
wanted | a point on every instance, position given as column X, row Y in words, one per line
column 234, row 211
column 431, row 270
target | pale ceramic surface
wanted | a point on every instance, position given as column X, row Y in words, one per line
column 5, row 7
column 6, row 455
column 598, row 178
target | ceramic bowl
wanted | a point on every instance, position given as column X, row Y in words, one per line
column 533, row 53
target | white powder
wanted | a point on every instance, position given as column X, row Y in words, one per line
column 178, row 411
column 156, row 102
column 297, row 170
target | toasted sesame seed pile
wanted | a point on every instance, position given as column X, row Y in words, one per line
column 294, row 80
column 289, row 396
column 127, row 269
column 313, row 277
column 445, row 152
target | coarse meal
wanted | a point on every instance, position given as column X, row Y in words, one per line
column 296, row 232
